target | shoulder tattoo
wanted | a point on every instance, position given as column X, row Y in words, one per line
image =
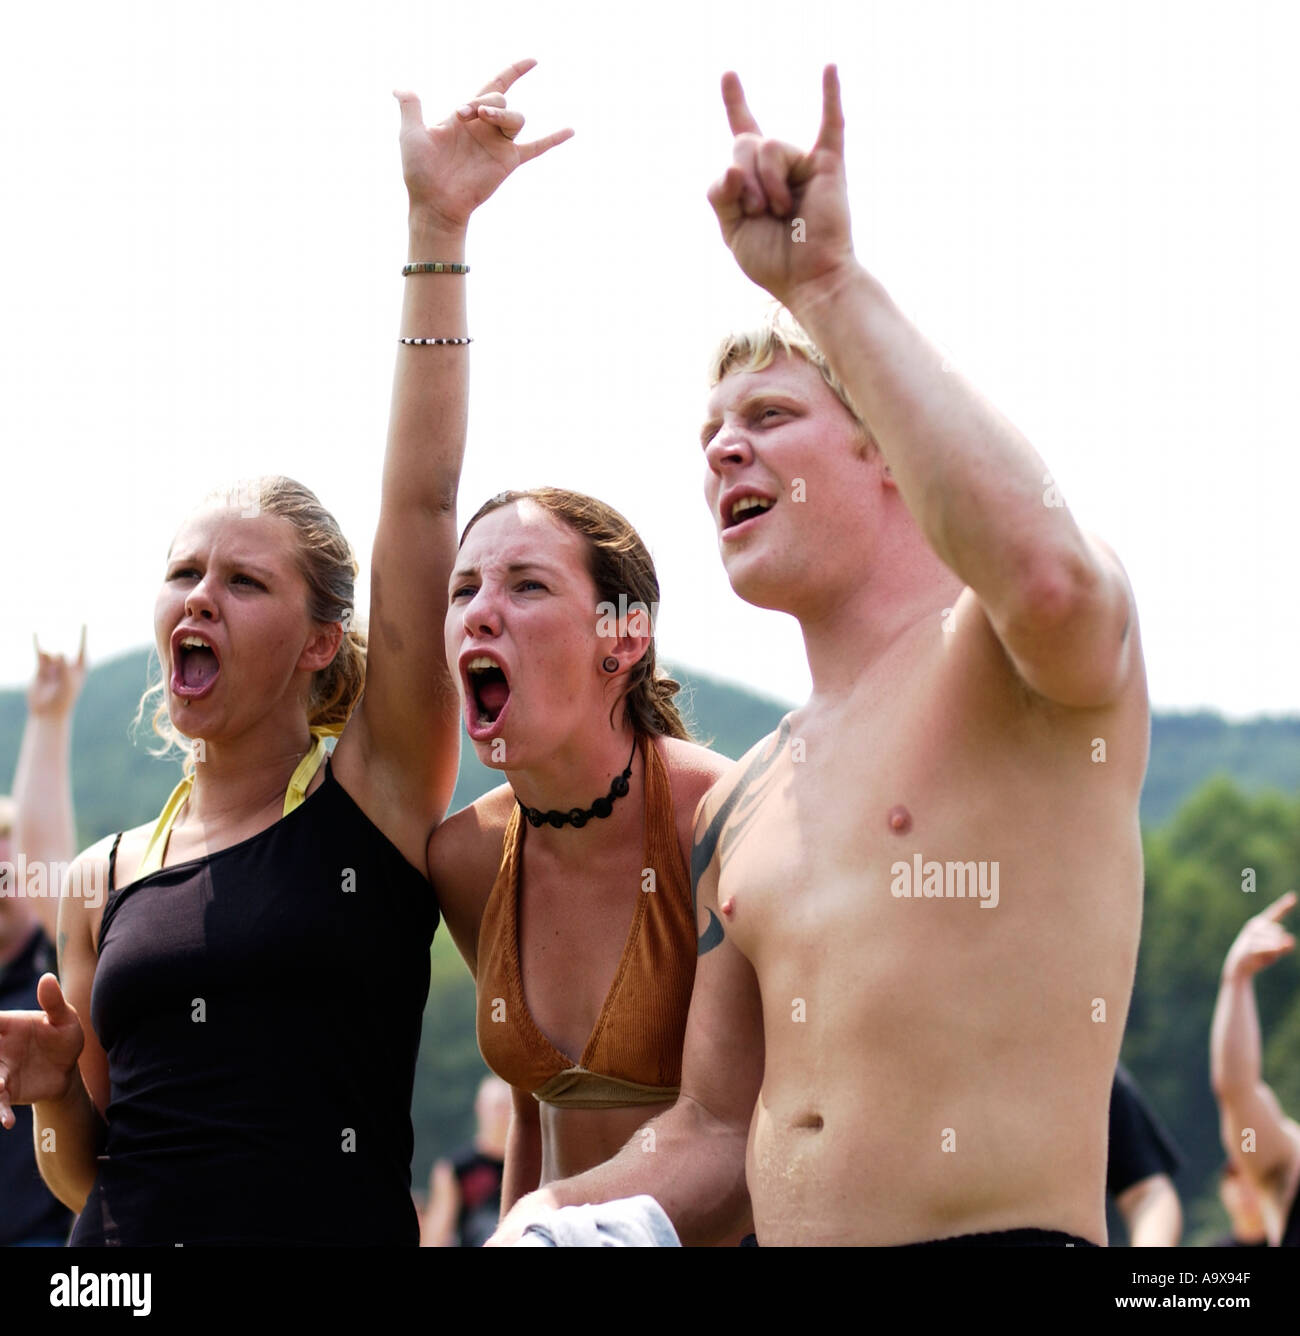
column 722, row 835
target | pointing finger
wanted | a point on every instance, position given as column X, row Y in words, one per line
column 739, row 116
column 831, row 134
column 81, row 653
column 527, row 152
column 507, row 77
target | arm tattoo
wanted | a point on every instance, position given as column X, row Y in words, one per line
column 717, row 838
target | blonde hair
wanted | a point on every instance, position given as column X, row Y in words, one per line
column 755, row 350
column 330, row 568
column 8, row 814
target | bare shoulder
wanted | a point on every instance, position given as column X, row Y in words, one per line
column 471, row 837
column 736, row 777
column 81, row 909
column 464, row 855
column 693, row 770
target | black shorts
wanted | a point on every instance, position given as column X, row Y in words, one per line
column 1003, row 1238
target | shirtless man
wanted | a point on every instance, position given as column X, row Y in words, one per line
column 919, row 900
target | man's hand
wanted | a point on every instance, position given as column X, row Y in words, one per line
column 58, row 682
column 38, row 1050
column 783, row 212
column 1261, row 941
column 451, row 168
column 535, row 1206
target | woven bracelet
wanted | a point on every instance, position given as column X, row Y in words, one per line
column 434, row 267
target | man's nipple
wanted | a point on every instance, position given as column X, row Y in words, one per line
column 900, row 819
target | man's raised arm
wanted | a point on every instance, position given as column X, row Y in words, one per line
column 1058, row 601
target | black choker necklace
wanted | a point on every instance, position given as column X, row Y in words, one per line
column 602, row 807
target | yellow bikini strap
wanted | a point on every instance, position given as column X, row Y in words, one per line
column 306, row 771
column 293, row 797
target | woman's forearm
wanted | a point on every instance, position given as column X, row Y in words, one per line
column 426, row 440
column 69, row 1135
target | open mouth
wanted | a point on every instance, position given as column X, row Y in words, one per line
column 488, row 688
column 746, row 508
column 195, row 666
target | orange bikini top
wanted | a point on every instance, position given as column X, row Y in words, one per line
column 634, row 1054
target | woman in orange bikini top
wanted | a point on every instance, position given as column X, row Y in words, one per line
column 567, row 889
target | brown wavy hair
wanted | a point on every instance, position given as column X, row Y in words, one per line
column 619, row 565
column 330, row 568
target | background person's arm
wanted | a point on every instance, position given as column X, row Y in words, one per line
column 1057, row 601
column 438, row 1224
column 1257, row 1135
column 44, row 826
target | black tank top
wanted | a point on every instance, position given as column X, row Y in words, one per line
column 260, row 1009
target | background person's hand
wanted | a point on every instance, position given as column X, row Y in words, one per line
column 452, row 167
column 785, row 213
column 38, row 1050
column 58, row 681
column 1261, row 941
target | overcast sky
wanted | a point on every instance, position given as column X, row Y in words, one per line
column 1092, row 206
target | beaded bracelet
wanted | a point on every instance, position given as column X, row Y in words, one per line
column 434, row 267
column 420, row 343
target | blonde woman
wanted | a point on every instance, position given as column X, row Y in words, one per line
column 230, row 1059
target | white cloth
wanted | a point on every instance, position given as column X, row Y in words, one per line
column 630, row 1222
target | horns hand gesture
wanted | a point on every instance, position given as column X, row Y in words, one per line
column 452, row 167
column 785, row 213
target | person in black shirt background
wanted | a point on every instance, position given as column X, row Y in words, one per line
column 1139, row 1172
column 465, row 1190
